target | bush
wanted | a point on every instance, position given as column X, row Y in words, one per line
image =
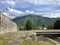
column 57, row 24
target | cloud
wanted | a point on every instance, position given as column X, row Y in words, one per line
column 12, row 13
column 8, row 15
column 15, row 8
column 44, row 2
column 29, row 12
column 36, row 2
column 52, row 15
column 9, row 2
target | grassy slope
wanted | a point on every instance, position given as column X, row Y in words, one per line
column 7, row 38
column 30, row 42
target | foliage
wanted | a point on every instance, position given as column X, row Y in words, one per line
column 43, row 26
column 50, row 27
column 38, row 20
column 22, row 28
column 57, row 24
column 31, row 42
column 30, row 24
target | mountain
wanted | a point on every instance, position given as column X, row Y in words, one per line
column 39, row 20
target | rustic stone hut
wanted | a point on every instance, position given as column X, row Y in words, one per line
column 6, row 24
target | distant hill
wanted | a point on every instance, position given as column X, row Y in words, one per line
column 39, row 20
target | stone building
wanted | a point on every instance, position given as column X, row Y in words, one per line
column 6, row 24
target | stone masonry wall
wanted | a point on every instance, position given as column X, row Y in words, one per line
column 7, row 25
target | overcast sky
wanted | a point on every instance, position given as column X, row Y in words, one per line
column 14, row 8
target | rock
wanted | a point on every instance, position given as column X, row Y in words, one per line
column 6, row 24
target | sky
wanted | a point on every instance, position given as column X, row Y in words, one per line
column 15, row 8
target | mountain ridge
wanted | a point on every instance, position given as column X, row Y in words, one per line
column 39, row 20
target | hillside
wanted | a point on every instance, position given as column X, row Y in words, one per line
column 39, row 20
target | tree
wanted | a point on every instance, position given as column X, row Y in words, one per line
column 57, row 24
column 43, row 26
column 30, row 24
column 50, row 27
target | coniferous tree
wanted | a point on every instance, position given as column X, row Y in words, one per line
column 57, row 24
column 30, row 24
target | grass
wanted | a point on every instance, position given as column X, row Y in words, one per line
column 3, row 41
column 12, row 36
column 30, row 42
column 7, row 38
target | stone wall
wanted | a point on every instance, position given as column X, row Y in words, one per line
column 7, row 25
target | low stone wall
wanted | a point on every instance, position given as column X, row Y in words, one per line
column 7, row 25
